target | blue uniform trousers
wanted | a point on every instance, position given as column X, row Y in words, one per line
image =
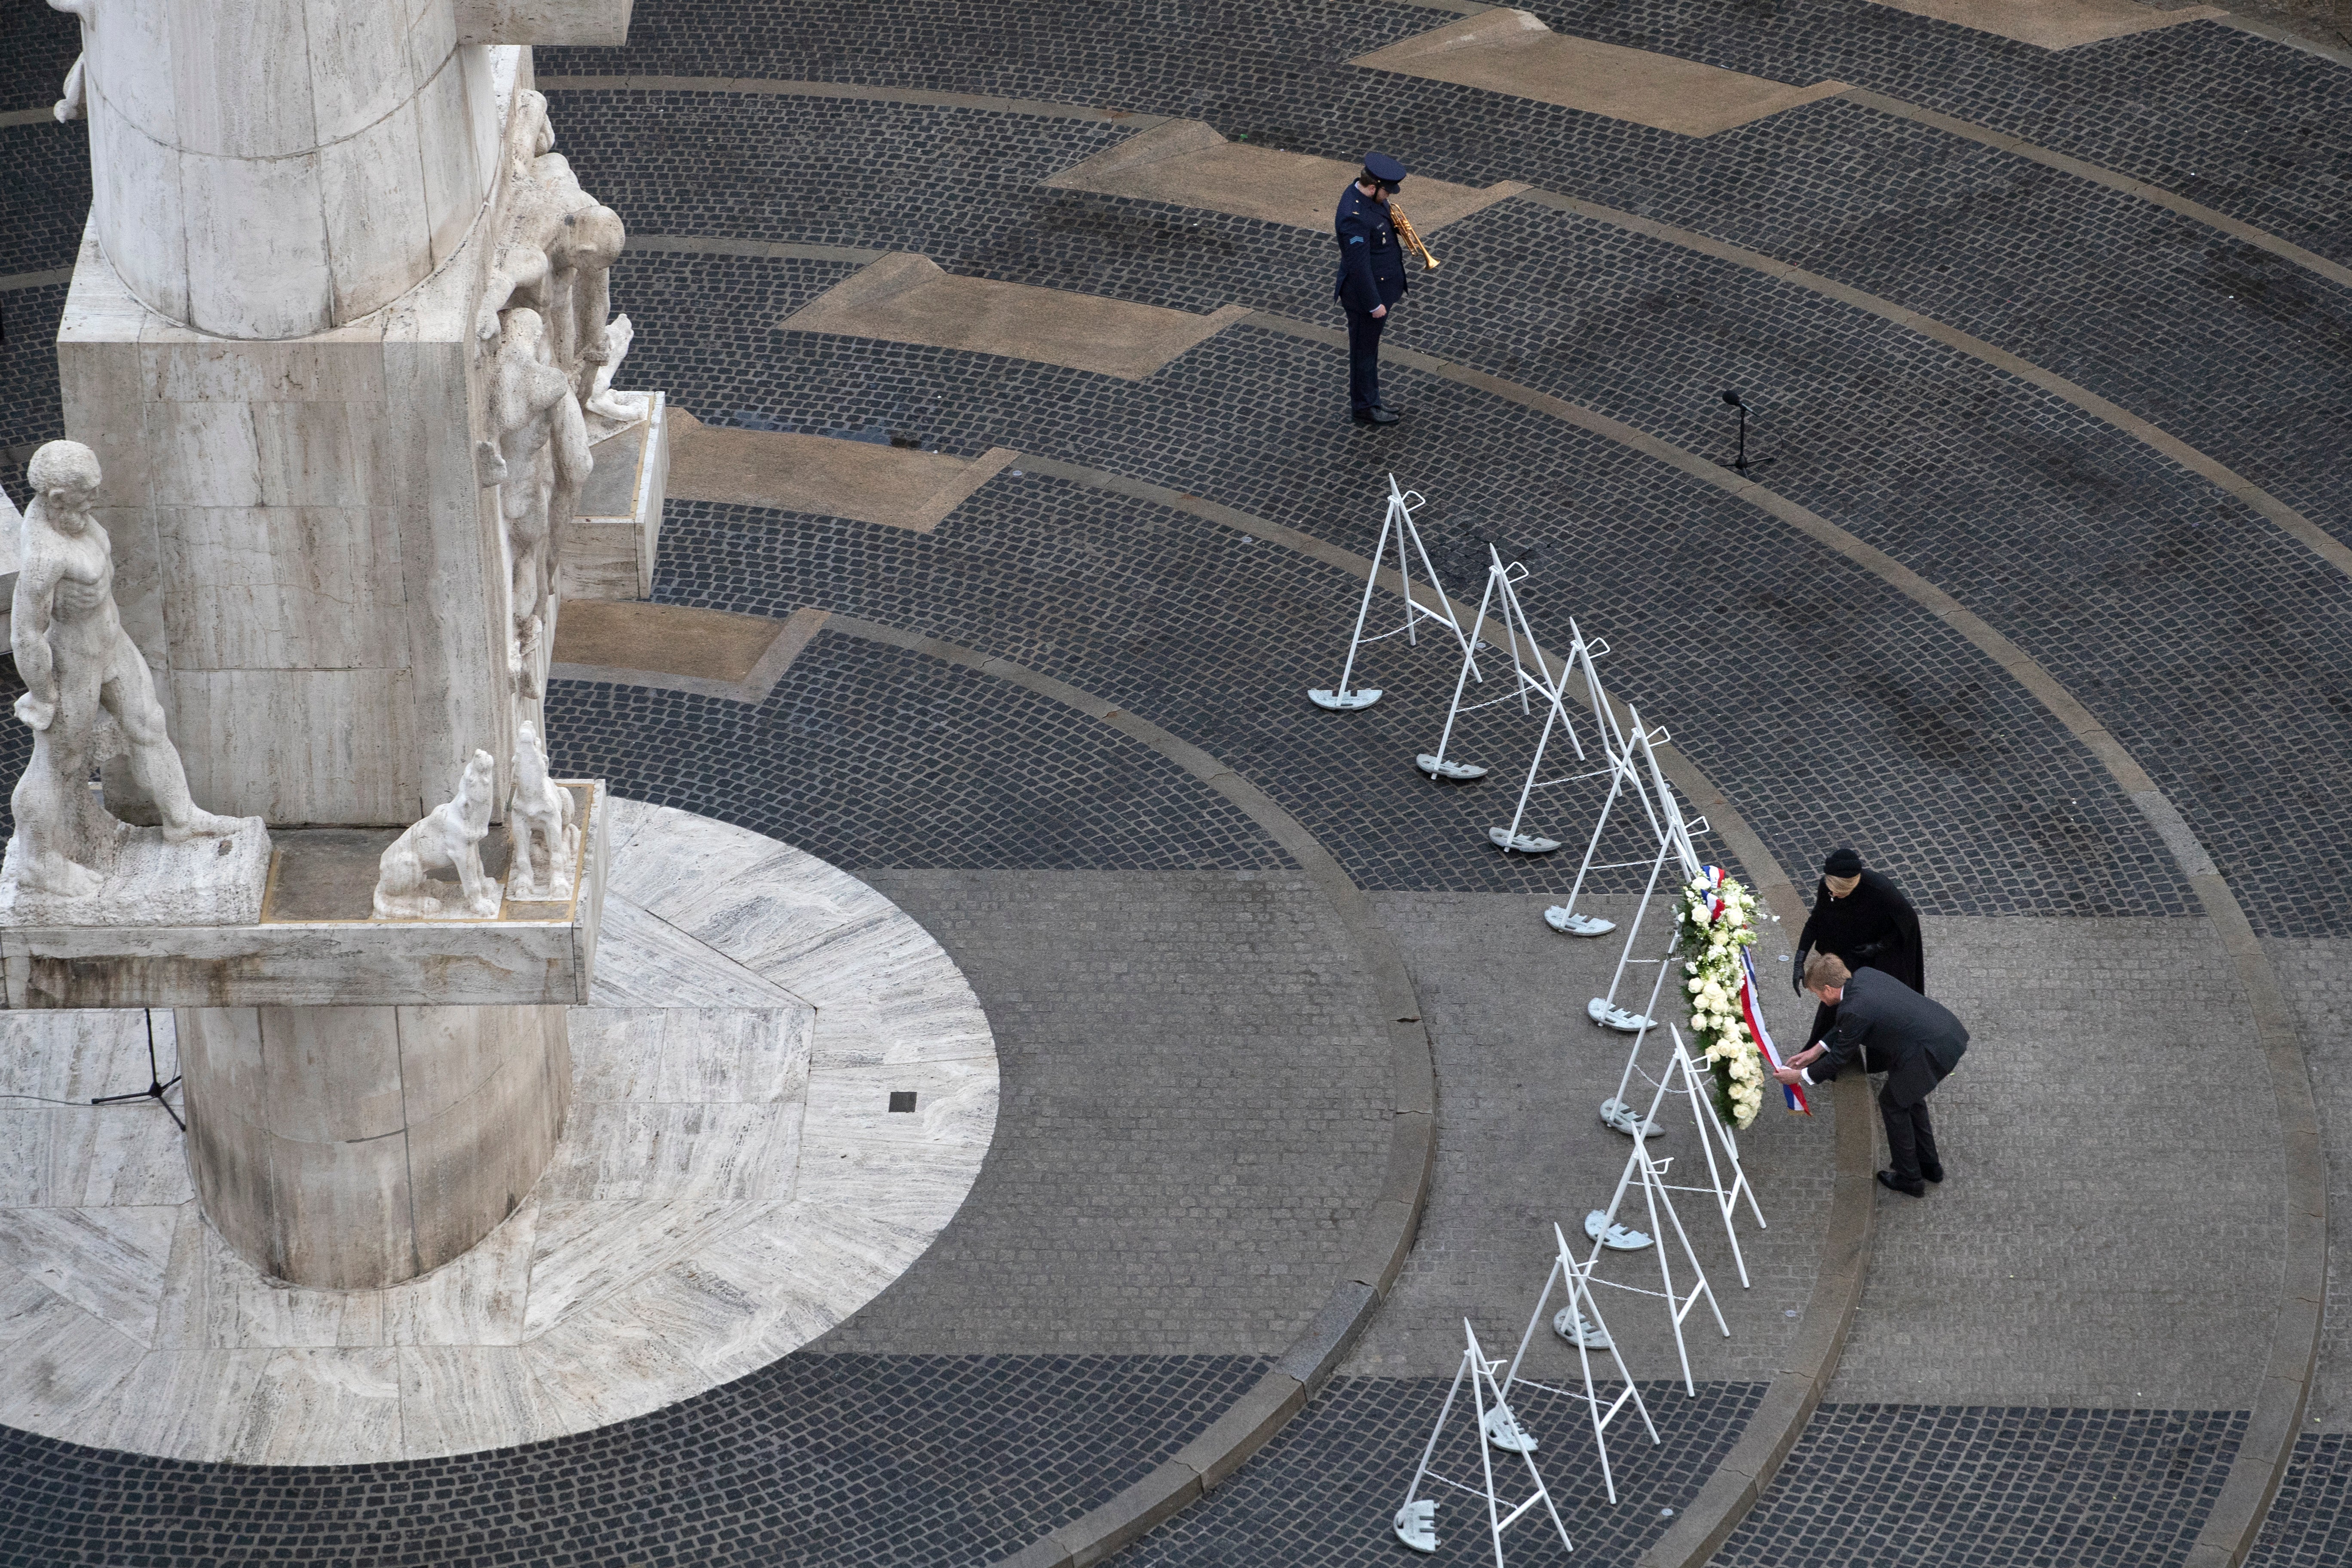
column 1364, row 359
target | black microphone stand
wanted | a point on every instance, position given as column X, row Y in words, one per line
column 1740, row 463
column 156, row 1087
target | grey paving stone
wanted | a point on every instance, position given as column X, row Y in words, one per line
column 1520, row 1147
column 2317, row 976
column 1192, row 1133
column 2109, row 1232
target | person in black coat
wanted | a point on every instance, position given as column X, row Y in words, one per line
column 1864, row 918
column 1371, row 278
column 1884, row 1025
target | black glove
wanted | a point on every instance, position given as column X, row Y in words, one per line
column 1797, row 973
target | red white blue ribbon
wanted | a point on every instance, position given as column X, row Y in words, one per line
column 1750, row 1008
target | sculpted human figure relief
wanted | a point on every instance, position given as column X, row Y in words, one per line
column 556, row 248
column 78, row 667
column 448, row 838
column 538, row 461
column 609, row 411
column 541, row 830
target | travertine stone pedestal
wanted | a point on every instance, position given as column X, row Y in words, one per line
column 351, row 1148
column 607, row 551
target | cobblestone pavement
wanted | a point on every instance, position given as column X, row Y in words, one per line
column 2109, row 1231
column 1207, row 1022
column 1191, row 1128
column 1524, row 1072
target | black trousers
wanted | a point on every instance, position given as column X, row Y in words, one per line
column 1364, row 360
column 1910, row 1138
column 1910, row 1132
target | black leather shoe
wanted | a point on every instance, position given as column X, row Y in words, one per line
column 1377, row 416
column 1933, row 1173
column 1913, row 1189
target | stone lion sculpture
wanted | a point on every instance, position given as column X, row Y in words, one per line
column 448, row 838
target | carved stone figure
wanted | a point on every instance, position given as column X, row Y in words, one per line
column 608, row 411
column 79, row 667
column 541, row 830
column 449, row 838
column 556, row 248
column 70, row 106
column 538, row 462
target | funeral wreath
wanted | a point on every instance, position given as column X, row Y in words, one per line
column 1717, row 922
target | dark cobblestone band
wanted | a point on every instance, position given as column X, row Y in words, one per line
column 1950, row 125
column 2310, row 535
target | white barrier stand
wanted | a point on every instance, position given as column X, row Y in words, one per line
column 1579, row 1322
column 1500, row 579
column 1398, row 525
column 1721, row 1148
column 1564, row 917
column 1416, row 1521
column 1580, row 654
column 1659, row 1197
column 1617, row 1111
column 1674, row 840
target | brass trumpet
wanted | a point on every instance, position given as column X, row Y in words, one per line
column 1409, row 237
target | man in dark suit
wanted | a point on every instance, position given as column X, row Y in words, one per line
column 1371, row 278
column 1885, row 1026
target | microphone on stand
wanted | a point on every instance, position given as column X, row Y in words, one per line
column 1740, row 463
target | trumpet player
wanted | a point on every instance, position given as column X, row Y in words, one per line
column 1371, row 278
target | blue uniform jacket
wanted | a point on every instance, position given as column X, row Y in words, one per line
column 1371, row 262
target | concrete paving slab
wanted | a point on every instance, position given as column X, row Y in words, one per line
column 1186, row 162
column 900, row 487
column 2054, row 24
column 1513, row 52
column 1194, row 1066
column 712, row 653
column 908, row 298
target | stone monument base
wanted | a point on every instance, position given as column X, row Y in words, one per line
column 607, row 550
column 352, row 1148
column 198, row 882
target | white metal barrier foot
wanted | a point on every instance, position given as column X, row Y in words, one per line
column 1345, row 701
column 1438, row 768
column 1559, row 920
column 1620, row 1117
column 1615, row 1238
column 1525, row 843
column 1504, row 1431
column 1625, row 1021
column 1416, row 1524
column 1577, row 1329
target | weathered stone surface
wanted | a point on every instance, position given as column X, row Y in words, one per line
column 384, row 1142
column 197, row 882
column 318, row 945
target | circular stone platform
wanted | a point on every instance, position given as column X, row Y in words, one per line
column 782, row 1094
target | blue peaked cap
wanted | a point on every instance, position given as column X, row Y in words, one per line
column 1381, row 166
